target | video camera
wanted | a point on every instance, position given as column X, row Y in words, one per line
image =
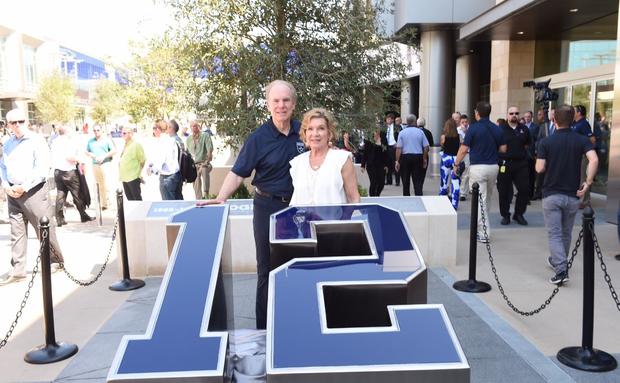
column 543, row 94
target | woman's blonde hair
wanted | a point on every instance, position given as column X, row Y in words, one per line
column 318, row 113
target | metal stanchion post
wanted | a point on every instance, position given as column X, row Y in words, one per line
column 99, row 205
column 586, row 357
column 51, row 351
column 472, row 285
column 126, row 283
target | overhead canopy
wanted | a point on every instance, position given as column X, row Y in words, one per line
column 544, row 19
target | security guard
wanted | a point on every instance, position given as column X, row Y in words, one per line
column 267, row 151
column 513, row 168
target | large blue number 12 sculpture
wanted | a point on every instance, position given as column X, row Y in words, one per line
column 347, row 296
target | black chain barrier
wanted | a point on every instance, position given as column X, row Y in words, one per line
column 599, row 255
column 35, row 271
column 18, row 315
column 101, row 270
column 501, row 287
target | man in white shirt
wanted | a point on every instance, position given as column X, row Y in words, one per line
column 64, row 162
column 24, row 167
column 391, row 133
column 463, row 125
column 165, row 162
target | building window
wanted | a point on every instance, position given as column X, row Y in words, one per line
column 587, row 54
column 603, row 108
column 30, row 68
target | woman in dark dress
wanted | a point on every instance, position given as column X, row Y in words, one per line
column 375, row 161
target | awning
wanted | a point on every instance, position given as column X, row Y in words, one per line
column 544, row 19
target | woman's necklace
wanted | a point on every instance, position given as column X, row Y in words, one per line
column 316, row 162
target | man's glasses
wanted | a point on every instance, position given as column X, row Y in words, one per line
column 125, row 133
column 514, row 113
column 16, row 122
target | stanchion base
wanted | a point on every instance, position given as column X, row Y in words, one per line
column 51, row 353
column 592, row 360
column 127, row 285
column 472, row 286
column 617, row 256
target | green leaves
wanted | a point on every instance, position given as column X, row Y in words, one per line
column 55, row 99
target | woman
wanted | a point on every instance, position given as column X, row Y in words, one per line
column 375, row 161
column 322, row 175
column 450, row 143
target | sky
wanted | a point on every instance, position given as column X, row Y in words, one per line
column 98, row 28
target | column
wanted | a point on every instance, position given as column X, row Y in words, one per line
column 436, row 79
column 406, row 98
column 467, row 84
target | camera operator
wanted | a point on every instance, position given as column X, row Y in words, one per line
column 514, row 169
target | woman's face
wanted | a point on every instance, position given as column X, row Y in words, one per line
column 317, row 134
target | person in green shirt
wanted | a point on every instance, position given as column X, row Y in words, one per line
column 200, row 147
column 101, row 150
column 131, row 164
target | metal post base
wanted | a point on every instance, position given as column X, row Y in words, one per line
column 127, row 285
column 472, row 286
column 592, row 360
column 51, row 353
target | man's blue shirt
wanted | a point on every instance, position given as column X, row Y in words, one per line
column 483, row 138
column 582, row 127
column 268, row 152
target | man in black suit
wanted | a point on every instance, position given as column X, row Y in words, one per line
column 546, row 128
column 391, row 133
column 531, row 159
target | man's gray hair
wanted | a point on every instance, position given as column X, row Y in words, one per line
column 281, row 82
column 421, row 121
column 411, row 119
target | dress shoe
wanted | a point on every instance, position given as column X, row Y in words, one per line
column 505, row 220
column 8, row 279
column 463, row 198
column 519, row 219
column 88, row 218
column 104, row 208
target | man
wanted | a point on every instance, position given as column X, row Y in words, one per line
column 24, row 167
column 130, row 166
column 582, row 126
column 534, row 130
column 101, row 150
column 173, row 131
column 267, row 151
column 546, row 128
column 412, row 156
column 514, row 168
column 165, row 162
column 421, row 122
column 200, row 147
column 66, row 176
column 462, row 127
column 483, row 140
column 456, row 116
column 391, row 133
column 560, row 156
column 398, row 122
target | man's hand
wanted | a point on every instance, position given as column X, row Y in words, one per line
column 583, row 189
column 424, row 163
column 397, row 166
column 209, row 202
column 14, row 191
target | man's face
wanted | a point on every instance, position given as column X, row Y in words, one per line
column 527, row 117
column 398, row 121
column 170, row 130
column 389, row 120
column 18, row 127
column 513, row 115
column 464, row 123
column 195, row 129
column 127, row 133
column 97, row 131
column 456, row 116
column 540, row 115
column 281, row 103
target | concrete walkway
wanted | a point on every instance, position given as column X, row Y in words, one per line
column 519, row 253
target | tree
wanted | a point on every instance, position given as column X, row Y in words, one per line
column 55, row 99
column 107, row 101
column 331, row 50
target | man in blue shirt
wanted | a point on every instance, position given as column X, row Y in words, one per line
column 411, row 157
column 483, row 140
column 560, row 156
column 267, row 152
column 582, row 126
column 24, row 167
